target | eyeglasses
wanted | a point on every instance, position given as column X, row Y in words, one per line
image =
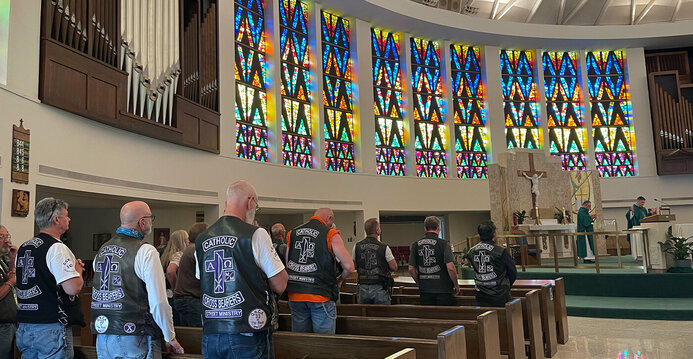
column 257, row 205
column 151, row 216
column 6, row 236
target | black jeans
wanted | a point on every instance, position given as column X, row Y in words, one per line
column 489, row 301
column 437, row 299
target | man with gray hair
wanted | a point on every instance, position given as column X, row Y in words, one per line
column 49, row 279
column 431, row 265
column 279, row 240
column 238, row 271
column 129, row 310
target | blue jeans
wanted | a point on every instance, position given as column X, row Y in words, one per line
column 190, row 311
column 111, row 346
column 322, row 317
column 7, row 331
column 373, row 294
column 238, row 346
column 45, row 341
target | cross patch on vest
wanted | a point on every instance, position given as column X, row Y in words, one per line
column 370, row 258
column 106, row 267
column 306, row 248
column 428, row 254
column 27, row 264
column 482, row 259
column 222, row 267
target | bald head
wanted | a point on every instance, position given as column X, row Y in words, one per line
column 132, row 212
column 326, row 214
column 241, row 201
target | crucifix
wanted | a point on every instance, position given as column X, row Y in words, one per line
column 533, row 175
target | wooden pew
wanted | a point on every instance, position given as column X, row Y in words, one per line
column 481, row 331
column 481, row 327
column 89, row 352
column 409, row 353
column 557, row 294
column 531, row 319
column 289, row 345
column 448, row 342
column 548, row 297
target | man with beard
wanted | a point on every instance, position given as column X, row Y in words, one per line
column 238, row 270
column 49, row 280
column 129, row 309
column 278, row 240
column 8, row 306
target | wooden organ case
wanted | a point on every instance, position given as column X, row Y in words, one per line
column 146, row 66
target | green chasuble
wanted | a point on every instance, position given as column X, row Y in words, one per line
column 638, row 213
column 584, row 224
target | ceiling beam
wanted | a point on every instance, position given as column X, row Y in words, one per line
column 644, row 11
column 632, row 12
column 676, row 11
column 534, row 10
column 494, row 10
column 505, row 9
column 561, row 9
column 574, row 11
column 606, row 5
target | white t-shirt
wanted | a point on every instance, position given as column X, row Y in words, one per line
column 148, row 268
column 388, row 253
column 264, row 254
column 61, row 262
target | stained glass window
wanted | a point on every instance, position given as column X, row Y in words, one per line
column 564, row 111
column 295, row 73
column 471, row 136
column 611, row 112
column 522, row 124
column 388, row 104
column 429, row 123
column 251, row 80
column 339, row 119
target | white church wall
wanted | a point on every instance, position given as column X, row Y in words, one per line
column 71, row 152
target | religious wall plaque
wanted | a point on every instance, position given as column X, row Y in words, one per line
column 20, row 153
column 20, row 203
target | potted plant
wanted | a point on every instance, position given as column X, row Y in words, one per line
column 519, row 217
column 466, row 270
column 679, row 247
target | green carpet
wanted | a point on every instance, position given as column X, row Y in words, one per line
column 630, row 308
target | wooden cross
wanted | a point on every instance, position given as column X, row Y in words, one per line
column 532, row 171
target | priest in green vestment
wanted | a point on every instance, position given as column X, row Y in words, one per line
column 637, row 212
column 585, row 224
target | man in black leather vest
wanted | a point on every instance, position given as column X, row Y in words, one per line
column 313, row 284
column 129, row 310
column 8, row 306
column 431, row 265
column 494, row 268
column 374, row 261
column 238, row 271
column 49, row 279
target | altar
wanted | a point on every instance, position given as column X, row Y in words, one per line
column 546, row 231
column 657, row 232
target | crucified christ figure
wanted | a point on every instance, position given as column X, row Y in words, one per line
column 535, row 183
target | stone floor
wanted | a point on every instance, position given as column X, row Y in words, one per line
column 601, row 338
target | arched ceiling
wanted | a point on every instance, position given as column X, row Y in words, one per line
column 572, row 12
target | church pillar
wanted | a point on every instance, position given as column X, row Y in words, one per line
column 274, row 92
column 408, row 108
column 227, row 82
column 362, row 77
column 491, row 74
column 641, row 120
column 542, row 114
column 318, row 107
column 446, row 71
